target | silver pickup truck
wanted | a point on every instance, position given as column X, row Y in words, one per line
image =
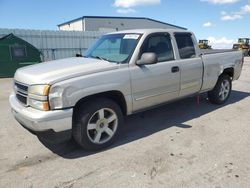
column 122, row 73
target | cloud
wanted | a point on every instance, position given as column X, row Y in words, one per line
column 221, row 43
column 245, row 9
column 125, row 11
column 133, row 3
column 235, row 15
column 208, row 24
column 221, row 1
column 231, row 17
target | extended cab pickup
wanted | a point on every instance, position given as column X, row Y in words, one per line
column 121, row 74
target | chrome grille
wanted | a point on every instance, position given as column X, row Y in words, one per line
column 21, row 91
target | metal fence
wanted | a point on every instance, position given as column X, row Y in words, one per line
column 56, row 44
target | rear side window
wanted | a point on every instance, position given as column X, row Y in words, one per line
column 160, row 44
column 185, row 45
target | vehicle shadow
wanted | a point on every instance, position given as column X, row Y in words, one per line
column 146, row 123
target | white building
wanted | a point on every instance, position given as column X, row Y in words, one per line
column 109, row 24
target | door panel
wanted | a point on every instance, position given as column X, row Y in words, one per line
column 191, row 76
column 154, row 84
column 157, row 83
column 190, row 64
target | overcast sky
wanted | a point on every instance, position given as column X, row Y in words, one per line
column 221, row 21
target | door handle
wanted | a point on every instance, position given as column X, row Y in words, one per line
column 175, row 69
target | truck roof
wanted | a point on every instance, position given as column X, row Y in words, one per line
column 147, row 31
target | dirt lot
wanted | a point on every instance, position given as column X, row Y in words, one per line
column 179, row 145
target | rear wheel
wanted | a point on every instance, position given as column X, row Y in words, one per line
column 97, row 124
column 221, row 91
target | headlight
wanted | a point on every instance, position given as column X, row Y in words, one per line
column 38, row 97
column 42, row 90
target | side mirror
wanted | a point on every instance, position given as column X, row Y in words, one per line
column 147, row 58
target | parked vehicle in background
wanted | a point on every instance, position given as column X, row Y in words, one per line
column 204, row 44
column 243, row 44
column 122, row 73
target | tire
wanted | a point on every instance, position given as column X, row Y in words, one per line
column 248, row 52
column 221, row 91
column 97, row 124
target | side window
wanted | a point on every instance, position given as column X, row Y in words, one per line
column 161, row 45
column 185, row 45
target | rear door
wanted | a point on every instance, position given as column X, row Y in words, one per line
column 157, row 83
column 191, row 65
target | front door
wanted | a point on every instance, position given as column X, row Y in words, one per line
column 157, row 83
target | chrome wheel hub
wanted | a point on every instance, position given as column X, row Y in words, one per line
column 224, row 90
column 102, row 126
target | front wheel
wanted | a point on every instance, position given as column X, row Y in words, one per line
column 221, row 91
column 97, row 123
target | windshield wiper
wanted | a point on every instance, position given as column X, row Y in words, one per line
column 98, row 57
column 104, row 59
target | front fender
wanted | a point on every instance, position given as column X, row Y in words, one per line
column 67, row 93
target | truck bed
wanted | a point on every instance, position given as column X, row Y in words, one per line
column 215, row 51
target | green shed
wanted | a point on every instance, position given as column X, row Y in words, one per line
column 15, row 53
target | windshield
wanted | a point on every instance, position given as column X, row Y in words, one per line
column 241, row 41
column 245, row 41
column 117, row 48
column 203, row 41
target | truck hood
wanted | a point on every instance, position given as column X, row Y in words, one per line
column 59, row 70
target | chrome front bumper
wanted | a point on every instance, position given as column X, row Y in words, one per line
column 37, row 120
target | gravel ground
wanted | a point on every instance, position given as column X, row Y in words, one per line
column 182, row 144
